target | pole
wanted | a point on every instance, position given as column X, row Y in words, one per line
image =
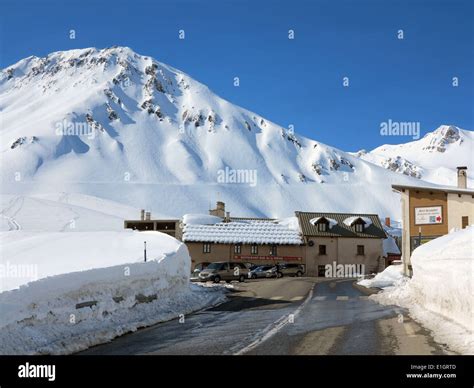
column 144, row 250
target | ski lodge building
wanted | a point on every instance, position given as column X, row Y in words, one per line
column 313, row 240
column 431, row 211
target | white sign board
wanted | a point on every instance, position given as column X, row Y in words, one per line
column 428, row 215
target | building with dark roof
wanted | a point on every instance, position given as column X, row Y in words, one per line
column 342, row 238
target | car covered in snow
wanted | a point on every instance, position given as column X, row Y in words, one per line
column 223, row 270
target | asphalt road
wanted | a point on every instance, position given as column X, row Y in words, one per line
column 284, row 316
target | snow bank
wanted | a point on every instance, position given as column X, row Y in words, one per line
column 41, row 254
column 119, row 292
column 440, row 294
column 386, row 278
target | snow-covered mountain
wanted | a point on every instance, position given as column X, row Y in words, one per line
column 433, row 158
column 122, row 126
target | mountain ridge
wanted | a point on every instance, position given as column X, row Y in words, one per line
column 150, row 124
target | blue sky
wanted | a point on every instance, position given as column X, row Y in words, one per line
column 297, row 82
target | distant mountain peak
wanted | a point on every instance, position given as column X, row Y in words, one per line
column 441, row 137
column 433, row 157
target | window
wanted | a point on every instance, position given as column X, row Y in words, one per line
column 206, row 248
column 254, row 249
column 322, row 249
column 322, row 226
column 465, row 221
column 359, row 228
column 360, row 250
column 237, row 249
column 322, row 271
column 273, row 250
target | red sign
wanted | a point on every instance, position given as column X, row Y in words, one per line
column 276, row 258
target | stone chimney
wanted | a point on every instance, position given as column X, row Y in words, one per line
column 462, row 177
column 219, row 211
column 148, row 216
column 227, row 217
column 387, row 221
column 142, row 214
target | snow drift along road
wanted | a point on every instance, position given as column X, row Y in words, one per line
column 101, row 288
column 441, row 292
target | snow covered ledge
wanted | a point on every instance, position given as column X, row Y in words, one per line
column 72, row 311
column 440, row 294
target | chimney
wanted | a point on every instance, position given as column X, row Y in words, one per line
column 219, row 211
column 227, row 217
column 462, row 177
column 387, row 221
column 148, row 216
column 142, row 214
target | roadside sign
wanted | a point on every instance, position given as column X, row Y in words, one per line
column 428, row 215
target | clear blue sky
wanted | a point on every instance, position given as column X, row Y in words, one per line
column 296, row 81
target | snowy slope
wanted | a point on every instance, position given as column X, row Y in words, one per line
column 62, row 212
column 433, row 158
column 117, row 125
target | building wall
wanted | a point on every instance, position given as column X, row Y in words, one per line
column 454, row 207
column 422, row 198
column 343, row 250
column 459, row 207
column 225, row 252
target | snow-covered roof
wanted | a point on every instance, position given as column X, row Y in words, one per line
column 244, row 231
column 332, row 221
column 349, row 221
column 390, row 246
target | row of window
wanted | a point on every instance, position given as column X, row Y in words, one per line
column 323, row 227
column 360, row 250
column 206, row 248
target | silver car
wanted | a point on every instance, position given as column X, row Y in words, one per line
column 216, row 272
column 264, row 271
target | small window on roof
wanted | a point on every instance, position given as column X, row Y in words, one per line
column 359, row 227
column 322, row 226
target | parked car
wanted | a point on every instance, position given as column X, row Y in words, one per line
column 224, row 270
column 254, row 267
column 264, row 271
column 290, row 270
column 197, row 270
